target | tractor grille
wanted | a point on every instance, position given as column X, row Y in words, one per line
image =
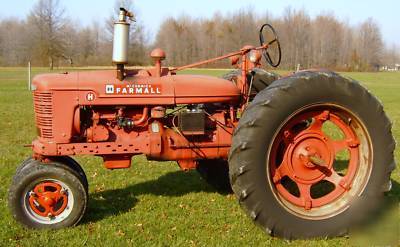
column 43, row 104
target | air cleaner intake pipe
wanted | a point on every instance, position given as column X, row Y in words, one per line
column 121, row 41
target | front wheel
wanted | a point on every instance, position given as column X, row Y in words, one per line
column 47, row 196
column 302, row 159
column 64, row 160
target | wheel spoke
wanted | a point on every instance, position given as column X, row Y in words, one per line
column 305, row 195
column 36, row 202
column 272, row 41
column 344, row 144
column 280, row 172
column 316, row 125
column 268, row 56
column 338, row 180
column 319, row 120
column 339, row 145
column 334, row 177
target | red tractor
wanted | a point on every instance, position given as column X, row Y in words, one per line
column 269, row 139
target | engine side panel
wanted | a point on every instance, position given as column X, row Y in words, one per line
column 102, row 88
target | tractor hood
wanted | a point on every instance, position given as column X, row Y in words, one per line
column 102, row 87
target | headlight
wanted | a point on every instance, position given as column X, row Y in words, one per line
column 255, row 56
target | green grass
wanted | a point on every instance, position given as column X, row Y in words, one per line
column 152, row 203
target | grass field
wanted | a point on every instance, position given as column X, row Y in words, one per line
column 152, row 204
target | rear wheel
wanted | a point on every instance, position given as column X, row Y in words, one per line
column 215, row 173
column 302, row 159
column 47, row 196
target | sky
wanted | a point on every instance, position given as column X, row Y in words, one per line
column 152, row 12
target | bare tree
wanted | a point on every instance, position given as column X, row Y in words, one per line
column 294, row 31
column 48, row 21
column 327, row 36
column 370, row 45
column 391, row 56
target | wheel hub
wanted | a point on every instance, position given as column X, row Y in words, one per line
column 307, row 157
column 48, row 199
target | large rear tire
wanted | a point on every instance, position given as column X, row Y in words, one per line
column 283, row 164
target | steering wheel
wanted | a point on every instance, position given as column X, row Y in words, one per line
column 273, row 53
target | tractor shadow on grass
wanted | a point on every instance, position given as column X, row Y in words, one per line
column 113, row 202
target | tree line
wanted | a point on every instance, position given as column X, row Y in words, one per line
column 47, row 37
column 322, row 41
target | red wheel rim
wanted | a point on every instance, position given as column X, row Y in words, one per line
column 303, row 155
column 48, row 199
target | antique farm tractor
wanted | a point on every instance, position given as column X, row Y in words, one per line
column 306, row 154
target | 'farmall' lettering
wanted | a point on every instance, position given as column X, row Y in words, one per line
column 127, row 89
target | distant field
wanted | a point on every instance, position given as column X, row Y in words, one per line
column 152, row 203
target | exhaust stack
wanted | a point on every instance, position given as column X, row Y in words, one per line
column 121, row 41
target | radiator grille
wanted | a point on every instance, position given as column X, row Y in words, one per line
column 43, row 104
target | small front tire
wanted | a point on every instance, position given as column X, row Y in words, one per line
column 47, row 196
column 65, row 160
